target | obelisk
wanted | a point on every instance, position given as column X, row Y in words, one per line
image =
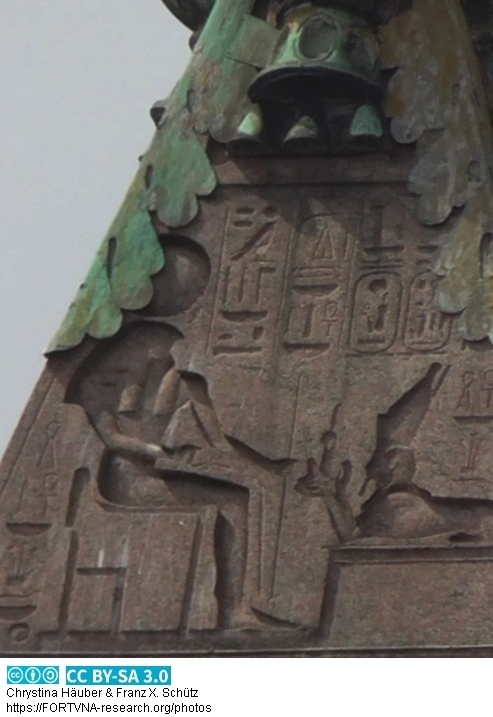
column 265, row 424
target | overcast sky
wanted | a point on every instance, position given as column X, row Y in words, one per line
column 77, row 80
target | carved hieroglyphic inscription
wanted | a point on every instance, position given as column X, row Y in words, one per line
column 39, row 495
column 427, row 329
column 475, row 394
column 376, row 311
column 393, row 307
column 257, row 446
column 251, row 278
column 318, row 288
column 473, row 414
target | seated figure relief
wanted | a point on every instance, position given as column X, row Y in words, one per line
column 131, row 393
column 398, row 509
column 165, row 450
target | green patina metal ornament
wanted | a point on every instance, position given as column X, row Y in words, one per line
column 321, row 83
column 210, row 99
column 301, row 78
column 439, row 89
column 217, row 97
column 320, row 49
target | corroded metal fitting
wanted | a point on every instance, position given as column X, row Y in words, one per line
column 320, row 49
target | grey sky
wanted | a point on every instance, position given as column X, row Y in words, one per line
column 77, row 80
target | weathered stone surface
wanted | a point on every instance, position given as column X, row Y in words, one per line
column 288, row 451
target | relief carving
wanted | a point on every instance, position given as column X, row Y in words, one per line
column 262, row 338
column 329, row 479
column 182, row 281
column 319, row 283
column 250, row 273
column 398, row 509
column 166, row 453
column 40, row 490
column 476, row 395
column 473, row 414
column 376, row 312
column 274, row 440
column 20, row 569
column 427, row 328
column 27, row 572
